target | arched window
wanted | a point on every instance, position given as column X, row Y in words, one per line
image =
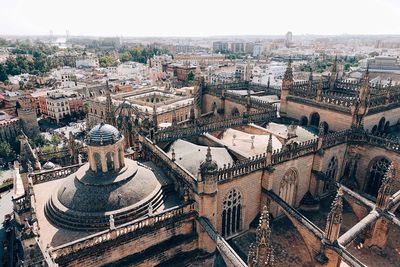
column 325, row 125
column 97, row 160
column 381, row 124
column 330, row 174
column 110, row 161
column 303, row 121
column 120, row 158
column 314, row 119
column 376, row 173
column 231, row 213
column 374, row 129
column 288, row 187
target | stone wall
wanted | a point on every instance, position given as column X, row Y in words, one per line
column 129, row 244
column 337, row 120
column 250, row 188
column 368, row 154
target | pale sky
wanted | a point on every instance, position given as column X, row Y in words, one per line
column 199, row 18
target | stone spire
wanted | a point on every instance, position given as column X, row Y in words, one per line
column 155, row 119
column 287, row 84
column 261, row 253
column 269, row 151
column 333, row 74
column 335, row 217
column 208, row 165
column 110, row 118
column 289, row 71
column 385, row 190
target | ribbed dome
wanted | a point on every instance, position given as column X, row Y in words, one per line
column 103, row 134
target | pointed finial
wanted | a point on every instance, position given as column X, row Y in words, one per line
column 337, row 208
column 269, row 146
column 386, row 186
column 173, row 155
column 208, row 155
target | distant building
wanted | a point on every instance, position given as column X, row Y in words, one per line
column 288, row 39
column 86, row 61
column 220, row 47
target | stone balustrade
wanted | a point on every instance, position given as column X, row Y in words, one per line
column 295, row 151
column 50, row 175
column 203, row 126
column 171, row 165
column 149, row 223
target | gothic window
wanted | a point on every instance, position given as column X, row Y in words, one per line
column 330, row 174
column 231, row 213
column 314, row 119
column 288, row 187
column 325, row 125
column 110, row 161
column 376, row 173
column 381, row 124
column 303, row 121
column 97, row 160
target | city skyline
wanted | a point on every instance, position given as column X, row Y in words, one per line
column 209, row 19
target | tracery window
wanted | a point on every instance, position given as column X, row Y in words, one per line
column 376, row 173
column 288, row 187
column 330, row 174
column 231, row 213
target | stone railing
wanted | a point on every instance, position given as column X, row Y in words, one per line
column 271, row 90
column 294, row 151
column 50, row 175
column 241, row 168
column 221, row 244
column 336, row 138
column 21, row 203
column 210, row 125
column 332, row 103
column 388, row 142
column 149, row 222
column 171, row 165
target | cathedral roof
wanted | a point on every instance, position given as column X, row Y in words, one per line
column 103, row 134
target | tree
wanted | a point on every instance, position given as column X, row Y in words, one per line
column 6, row 151
column 125, row 56
column 55, row 140
column 3, row 73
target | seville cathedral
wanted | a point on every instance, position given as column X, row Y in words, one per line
column 234, row 180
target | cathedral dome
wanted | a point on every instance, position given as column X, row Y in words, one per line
column 103, row 134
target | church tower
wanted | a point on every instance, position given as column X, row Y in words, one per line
column 287, row 84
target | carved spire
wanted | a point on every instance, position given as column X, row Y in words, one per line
column 333, row 74
column 208, row 165
column 261, row 252
column 335, row 217
column 269, row 146
column 289, row 72
column 155, row 119
column 334, row 67
column 385, row 191
column 208, row 155
column 110, row 118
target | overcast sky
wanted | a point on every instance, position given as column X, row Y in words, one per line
column 199, row 18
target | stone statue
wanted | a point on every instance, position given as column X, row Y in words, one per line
column 79, row 158
column 112, row 222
